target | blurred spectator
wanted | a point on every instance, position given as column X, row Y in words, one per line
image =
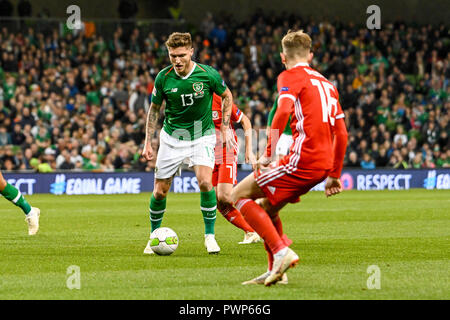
column 219, row 35
column 400, row 136
column 138, row 99
column 398, row 162
column 5, row 138
column 382, row 159
column 17, row 136
column 444, row 160
column 92, row 164
column 353, row 160
column 63, row 161
column 367, row 162
column 417, row 162
column 207, row 24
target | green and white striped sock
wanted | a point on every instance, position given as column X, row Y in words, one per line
column 157, row 209
column 208, row 206
column 15, row 196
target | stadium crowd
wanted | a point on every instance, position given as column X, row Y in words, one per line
column 77, row 102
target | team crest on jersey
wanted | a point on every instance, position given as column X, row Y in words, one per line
column 198, row 86
column 215, row 115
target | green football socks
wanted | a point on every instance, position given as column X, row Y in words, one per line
column 208, row 205
column 16, row 197
column 157, row 209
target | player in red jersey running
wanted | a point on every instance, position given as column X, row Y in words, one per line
column 320, row 141
column 225, row 169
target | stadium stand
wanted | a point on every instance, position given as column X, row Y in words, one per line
column 76, row 102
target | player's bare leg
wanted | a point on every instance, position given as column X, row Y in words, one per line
column 229, row 212
column 158, row 206
column 15, row 196
column 247, row 189
column 208, row 206
column 3, row 182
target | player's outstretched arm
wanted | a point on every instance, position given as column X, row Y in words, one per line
column 333, row 185
column 249, row 155
column 150, row 127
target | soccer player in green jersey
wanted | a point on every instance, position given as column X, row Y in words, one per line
column 16, row 197
column 285, row 141
column 188, row 132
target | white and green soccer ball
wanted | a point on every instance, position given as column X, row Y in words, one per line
column 163, row 241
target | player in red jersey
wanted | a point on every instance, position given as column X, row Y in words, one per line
column 225, row 169
column 320, row 141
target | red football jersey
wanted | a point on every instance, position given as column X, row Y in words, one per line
column 236, row 116
column 315, row 110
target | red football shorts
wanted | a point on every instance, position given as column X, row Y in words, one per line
column 225, row 173
column 279, row 186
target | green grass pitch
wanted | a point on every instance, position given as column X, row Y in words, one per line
column 405, row 233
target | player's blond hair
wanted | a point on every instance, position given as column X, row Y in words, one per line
column 179, row 39
column 296, row 43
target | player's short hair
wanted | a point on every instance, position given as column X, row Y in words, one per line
column 296, row 43
column 179, row 39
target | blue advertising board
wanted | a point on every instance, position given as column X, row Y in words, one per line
column 78, row 183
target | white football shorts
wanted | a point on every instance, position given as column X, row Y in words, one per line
column 173, row 152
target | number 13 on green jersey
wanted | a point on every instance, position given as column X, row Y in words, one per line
column 188, row 100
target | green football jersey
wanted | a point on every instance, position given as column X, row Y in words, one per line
column 287, row 129
column 188, row 112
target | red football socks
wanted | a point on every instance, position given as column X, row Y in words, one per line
column 259, row 220
column 235, row 217
column 279, row 226
column 277, row 223
column 269, row 257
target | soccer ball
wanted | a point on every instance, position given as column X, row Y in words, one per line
column 163, row 241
